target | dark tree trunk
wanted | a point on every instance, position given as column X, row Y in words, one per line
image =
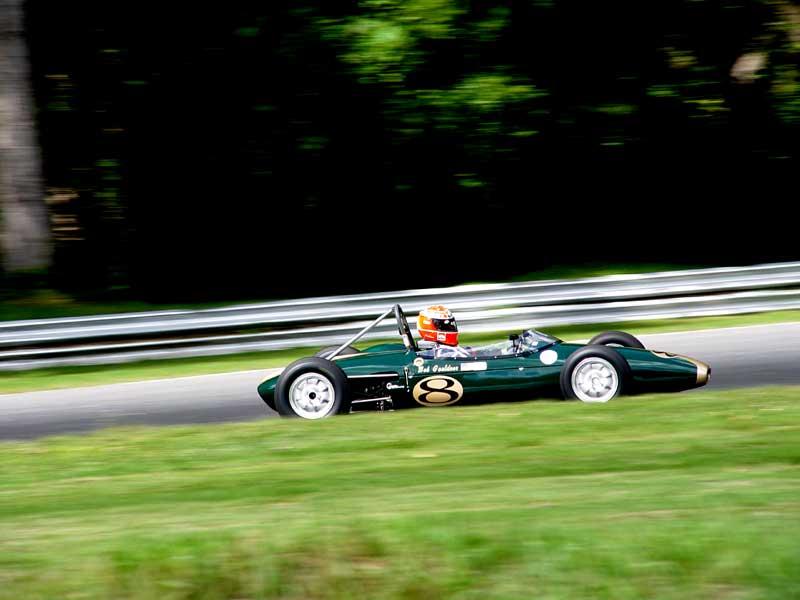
column 25, row 230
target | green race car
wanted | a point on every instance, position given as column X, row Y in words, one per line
column 530, row 364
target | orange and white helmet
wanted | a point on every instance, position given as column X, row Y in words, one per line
column 437, row 324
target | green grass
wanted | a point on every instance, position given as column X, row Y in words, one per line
column 50, row 304
column 599, row 270
column 23, row 304
column 684, row 324
column 63, row 377
column 678, row 496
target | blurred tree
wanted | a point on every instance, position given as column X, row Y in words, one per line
column 25, row 230
column 197, row 149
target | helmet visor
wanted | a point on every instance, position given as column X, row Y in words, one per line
column 445, row 324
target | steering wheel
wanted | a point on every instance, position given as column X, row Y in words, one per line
column 404, row 329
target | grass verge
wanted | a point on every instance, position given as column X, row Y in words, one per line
column 64, row 377
column 43, row 303
column 681, row 496
column 51, row 304
column 600, row 270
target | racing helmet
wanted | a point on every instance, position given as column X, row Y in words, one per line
column 437, row 324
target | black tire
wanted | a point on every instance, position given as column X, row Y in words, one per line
column 321, row 366
column 611, row 356
column 618, row 338
column 328, row 349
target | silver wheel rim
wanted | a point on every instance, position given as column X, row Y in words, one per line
column 312, row 396
column 595, row 380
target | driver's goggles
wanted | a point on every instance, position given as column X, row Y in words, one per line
column 445, row 324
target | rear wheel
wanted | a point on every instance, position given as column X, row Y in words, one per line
column 616, row 338
column 594, row 374
column 312, row 388
column 348, row 350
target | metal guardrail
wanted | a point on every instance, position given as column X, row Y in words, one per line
column 326, row 320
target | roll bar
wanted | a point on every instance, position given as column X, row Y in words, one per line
column 360, row 334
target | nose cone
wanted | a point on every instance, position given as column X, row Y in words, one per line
column 702, row 369
column 703, row 372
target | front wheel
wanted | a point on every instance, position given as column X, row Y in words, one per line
column 312, row 388
column 594, row 374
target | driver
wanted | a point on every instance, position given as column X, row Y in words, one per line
column 438, row 325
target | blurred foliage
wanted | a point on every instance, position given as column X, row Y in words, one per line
column 386, row 41
column 306, row 111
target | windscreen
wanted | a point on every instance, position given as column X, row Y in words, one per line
column 535, row 340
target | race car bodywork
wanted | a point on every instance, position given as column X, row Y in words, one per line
column 528, row 365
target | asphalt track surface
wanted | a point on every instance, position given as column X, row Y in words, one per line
column 739, row 357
